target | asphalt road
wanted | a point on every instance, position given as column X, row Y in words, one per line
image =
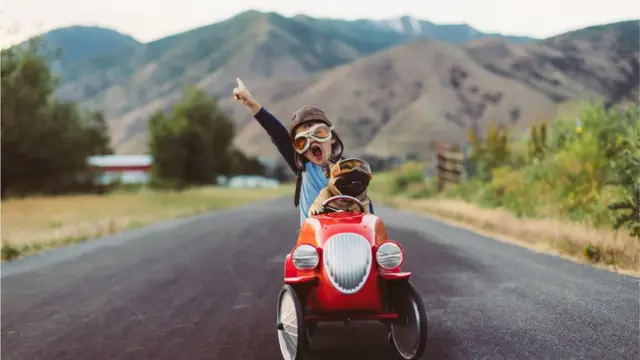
column 206, row 288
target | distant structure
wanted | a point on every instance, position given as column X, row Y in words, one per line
column 128, row 169
column 243, row 181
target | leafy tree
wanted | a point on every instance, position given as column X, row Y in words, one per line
column 281, row 171
column 166, row 148
column 45, row 143
column 538, row 141
column 244, row 165
column 624, row 165
column 96, row 139
column 490, row 153
column 192, row 145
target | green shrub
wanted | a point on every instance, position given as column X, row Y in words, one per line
column 468, row 190
column 9, row 252
column 592, row 253
column 422, row 189
column 402, row 180
column 624, row 154
column 586, row 170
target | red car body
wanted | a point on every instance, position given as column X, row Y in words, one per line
column 319, row 289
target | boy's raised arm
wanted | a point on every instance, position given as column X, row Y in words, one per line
column 278, row 133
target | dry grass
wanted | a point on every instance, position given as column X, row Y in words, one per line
column 32, row 224
column 604, row 248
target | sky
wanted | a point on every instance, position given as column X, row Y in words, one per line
column 148, row 20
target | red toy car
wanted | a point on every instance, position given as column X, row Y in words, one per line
column 344, row 268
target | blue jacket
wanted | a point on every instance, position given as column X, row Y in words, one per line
column 313, row 178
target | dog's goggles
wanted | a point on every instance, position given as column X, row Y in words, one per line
column 347, row 165
column 319, row 132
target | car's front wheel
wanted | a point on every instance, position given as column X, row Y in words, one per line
column 409, row 335
column 290, row 324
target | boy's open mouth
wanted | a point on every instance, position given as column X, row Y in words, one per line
column 317, row 152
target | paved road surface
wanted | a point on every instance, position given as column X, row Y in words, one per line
column 205, row 288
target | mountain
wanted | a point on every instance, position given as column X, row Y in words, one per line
column 136, row 80
column 412, row 27
column 621, row 42
column 80, row 43
column 599, row 60
column 133, row 81
column 381, row 83
column 620, row 37
column 451, row 33
column 390, row 104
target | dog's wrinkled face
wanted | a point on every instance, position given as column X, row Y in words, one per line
column 352, row 183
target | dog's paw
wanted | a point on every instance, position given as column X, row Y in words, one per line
column 316, row 210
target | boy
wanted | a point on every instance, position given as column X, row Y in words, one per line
column 308, row 147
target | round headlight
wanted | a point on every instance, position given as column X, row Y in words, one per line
column 389, row 255
column 305, row 257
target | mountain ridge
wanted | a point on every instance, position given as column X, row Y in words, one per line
column 290, row 61
column 81, row 42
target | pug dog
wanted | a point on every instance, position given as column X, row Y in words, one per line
column 349, row 177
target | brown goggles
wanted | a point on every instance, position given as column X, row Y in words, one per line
column 319, row 132
column 347, row 165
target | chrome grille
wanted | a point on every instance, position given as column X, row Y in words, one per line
column 347, row 261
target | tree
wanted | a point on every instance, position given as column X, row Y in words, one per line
column 624, row 161
column 538, row 141
column 191, row 146
column 281, row 171
column 166, row 148
column 244, row 165
column 97, row 138
column 45, row 142
column 491, row 152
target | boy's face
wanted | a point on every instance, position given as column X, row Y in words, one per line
column 318, row 153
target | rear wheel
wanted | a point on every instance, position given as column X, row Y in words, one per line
column 409, row 335
column 290, row 324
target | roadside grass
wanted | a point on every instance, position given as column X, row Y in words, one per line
column 34, row 224
column 543, row 230
column 605, row 248
column 569, row 186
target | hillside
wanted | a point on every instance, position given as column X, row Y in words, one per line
column 129, row 84
column 622, row 42
column 364, row 72
column 261, row 45
column 449, row 33
column 80, row 43
column 410, row 26
column 389, row 104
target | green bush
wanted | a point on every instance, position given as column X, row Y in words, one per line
column 468, row 190
column 402, row 180
column 624, row 154
column 9, row 252
column 586, row 170
column 422, row 189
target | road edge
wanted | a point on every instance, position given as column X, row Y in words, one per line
column 540, row 248
column 63, row 253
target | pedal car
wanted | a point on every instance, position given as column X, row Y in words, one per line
column 344, row 268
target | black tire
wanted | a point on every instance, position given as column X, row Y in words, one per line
column 408, row 302
column 290, row 348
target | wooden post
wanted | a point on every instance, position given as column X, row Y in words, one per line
column 450, row 164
